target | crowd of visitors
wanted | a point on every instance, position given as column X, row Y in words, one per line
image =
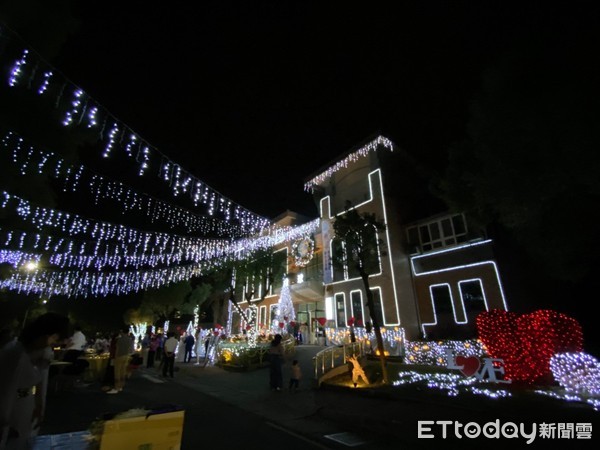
column 30, row 357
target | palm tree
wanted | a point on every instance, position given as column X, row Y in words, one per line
column 359, row 234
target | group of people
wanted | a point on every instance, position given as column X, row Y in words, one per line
column 156, row 347
column 277, row 357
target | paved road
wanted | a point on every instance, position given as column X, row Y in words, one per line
column 222, row 407
column 230, row 409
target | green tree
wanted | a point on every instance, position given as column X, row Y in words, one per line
column 163, row 303
column 197, row 297
column 359, row 234
column 238, row 280
column 530, row 163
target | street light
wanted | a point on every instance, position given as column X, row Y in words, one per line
column 30, row 266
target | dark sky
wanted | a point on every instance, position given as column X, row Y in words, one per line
column 254, row 97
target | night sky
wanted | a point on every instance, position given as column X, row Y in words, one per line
column 255, row 97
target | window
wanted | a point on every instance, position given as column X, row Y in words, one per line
column 378, row 307
column 351, row 264
column 471, row 292
column 274, row 314
column 357, row 308
column 337, row 257
column 442, row 300
column 340, row 310
column 444, row 232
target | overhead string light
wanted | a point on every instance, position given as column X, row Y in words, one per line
column 97, row 244
column 77, row 110
column 142, row 251
column 17, row 258
column 30, row 160
column 97, row 283
column 93, row 283
column 74, row 225
column 16, row 71
column 113, row 255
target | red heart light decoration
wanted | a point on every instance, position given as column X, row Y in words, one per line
column 527, row 342
column 470, row 365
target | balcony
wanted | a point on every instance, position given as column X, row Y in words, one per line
column 308, row 290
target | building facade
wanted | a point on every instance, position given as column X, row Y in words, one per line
column 435, row 272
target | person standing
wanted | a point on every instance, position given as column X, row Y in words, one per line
column 123, row 351
column 20, row 403
column 276, row 354
column 295, row 376
column 75, row 345
column 304, row 338
column 169, row 355
column 189, row 347
column 152, row 348
column 146, row 347
column 161, row 347
column 109, row 376
column 180, row 353
column 42, row 358
column 207, row 344
column 198, row 339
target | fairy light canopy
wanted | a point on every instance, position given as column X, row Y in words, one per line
column 58, row 250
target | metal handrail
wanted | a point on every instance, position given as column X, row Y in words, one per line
column 333, row 357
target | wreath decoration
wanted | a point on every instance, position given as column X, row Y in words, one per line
column 303, row 251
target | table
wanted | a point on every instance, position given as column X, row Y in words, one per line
column 96, row 369
column 58, row 376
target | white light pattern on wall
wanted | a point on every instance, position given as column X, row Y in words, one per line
column 464, row 266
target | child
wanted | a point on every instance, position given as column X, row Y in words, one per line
column 296, row 375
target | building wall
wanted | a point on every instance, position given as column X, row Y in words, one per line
column 368, row 184
column 361, row 184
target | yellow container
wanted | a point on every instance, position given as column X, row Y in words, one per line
column 156, row 432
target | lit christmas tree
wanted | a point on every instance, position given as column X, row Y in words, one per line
column 286, row 307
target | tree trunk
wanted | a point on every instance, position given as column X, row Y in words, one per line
column 376, row 327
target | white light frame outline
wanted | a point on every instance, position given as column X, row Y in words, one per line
column 467, row 266
column 446, row 250
column 370, row 177
column 464, row 266
column 487, row 308
column 362, row 306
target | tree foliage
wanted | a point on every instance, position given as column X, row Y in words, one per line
column 530, row 163
column 164, row 302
